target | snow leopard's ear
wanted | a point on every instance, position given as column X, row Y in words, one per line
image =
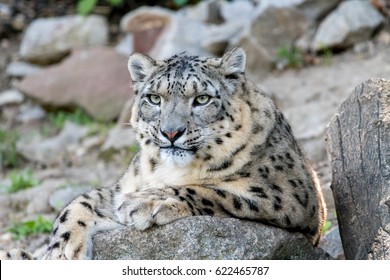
column 140, row 66
column 234, row 62
column 230, row 64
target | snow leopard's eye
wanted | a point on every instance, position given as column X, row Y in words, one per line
column 154, row 99
column 201, row 100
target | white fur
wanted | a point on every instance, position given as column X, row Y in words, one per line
column 176, row 158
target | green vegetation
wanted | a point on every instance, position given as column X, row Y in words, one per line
column 8, row 154
column 327, row 56
column 291, row 55
column 133, row 149
column 124, row 155
column 180, row 3
column 129, row 153
column 84, row 7
column 21, row 181
column 326, row 226
column 79, row 116
column 97, row 128
column 21, row 230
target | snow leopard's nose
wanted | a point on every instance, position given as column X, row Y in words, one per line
column 172, row 136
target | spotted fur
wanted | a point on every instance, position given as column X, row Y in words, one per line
column 211, row 144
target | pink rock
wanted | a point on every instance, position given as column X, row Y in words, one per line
column 94, row 79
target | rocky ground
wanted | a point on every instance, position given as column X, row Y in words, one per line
column 64, row 88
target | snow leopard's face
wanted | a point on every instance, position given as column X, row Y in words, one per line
column 183, row 104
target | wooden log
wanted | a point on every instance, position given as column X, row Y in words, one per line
column 358, row 143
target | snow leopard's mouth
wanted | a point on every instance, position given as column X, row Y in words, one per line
column 175, row 149
column 177, row 156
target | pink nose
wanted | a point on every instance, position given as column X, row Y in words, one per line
column 170, row 135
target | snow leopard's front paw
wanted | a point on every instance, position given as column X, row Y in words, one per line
column 62, row 249
column 143, row 209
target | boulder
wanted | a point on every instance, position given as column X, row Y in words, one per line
column 312, row 9
column 119, row 137
column 242, row 10
column 205, row 237
column 31, row 201
column 181, row 35
column 29, row 113
column 237, row 16
column 11, row 96
column 94, row 79
column 219, row 37
column 146, row 25
column 352, row 22
column 63, row 196
column 162, row 33
column 49, row 39
column 331, row 243
column 272, row 29
column 52, row 151
column 208, row 11
column 125, row 45
column 21, row 69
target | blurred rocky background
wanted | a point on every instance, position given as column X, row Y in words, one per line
column 65, row 89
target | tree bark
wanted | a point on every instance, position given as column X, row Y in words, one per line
column 358, row 142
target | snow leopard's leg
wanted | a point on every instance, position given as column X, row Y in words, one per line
column 74, row 227
column 161, row 206
column 15, row 254
column 78, row 222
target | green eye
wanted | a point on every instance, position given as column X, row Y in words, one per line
column 201, row 100
column 154, row 99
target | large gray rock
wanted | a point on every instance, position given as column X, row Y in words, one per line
column 11, row 96
column 52, row 151
column 21, row 69
column 18, row 205
column 208, row 11
column 125, row 45
column 272, row 29
column 63, row 196
column 205, row 237
column 95, row 79
column 240, row 10
column 181, row 34
column 237, row 16
column 352, row 22
column 331, row 243
column 219, row 37
column 50, row 39
column 29, row 113
column 312, row 9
